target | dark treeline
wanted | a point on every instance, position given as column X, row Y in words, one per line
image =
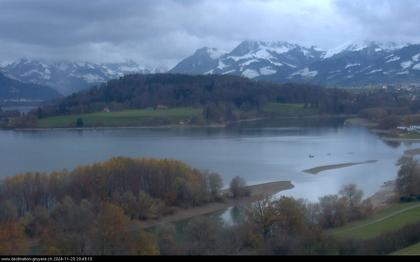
column 95, row 210
column 91, row 209
column 390, row 108
column 408, row 180
column 225, row 98
column 287, row 226
column 149, row 183
column 173, row 90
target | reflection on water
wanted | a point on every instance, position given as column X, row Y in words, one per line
column 258, row 151
column 232, row 215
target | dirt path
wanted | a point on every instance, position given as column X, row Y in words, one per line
column 382, row 218
column 258, row 192
column 318, row 169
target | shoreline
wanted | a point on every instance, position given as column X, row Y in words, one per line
column 258, row 192
column 357, row 121
column 381, row 133
column 384, row 196
column 118, row 127
column 318, row 169
column 400, row 139
column 223, row 125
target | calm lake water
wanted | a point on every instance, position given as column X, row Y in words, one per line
column 259, row 152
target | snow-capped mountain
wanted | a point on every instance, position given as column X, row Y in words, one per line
column 203, row 60
column 351, row 64
column 68, row 77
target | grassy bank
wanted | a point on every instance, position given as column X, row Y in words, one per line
column 166, row 117
column 410, row 135
column 386, row 220
column 283, row 110
column 409, row 251
column 391, row 135
column 135, row 117
column 357, row 121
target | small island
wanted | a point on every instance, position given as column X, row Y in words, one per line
column 318, row 169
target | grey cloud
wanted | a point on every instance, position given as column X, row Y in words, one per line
column 383, row 20
column 161, row 32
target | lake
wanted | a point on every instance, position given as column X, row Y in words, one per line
column 261, row 151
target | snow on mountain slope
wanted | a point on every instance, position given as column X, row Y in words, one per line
column 305, row 73
column 68, row 77
column 353, row 63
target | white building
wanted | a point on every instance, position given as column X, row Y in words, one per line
column 412, row 128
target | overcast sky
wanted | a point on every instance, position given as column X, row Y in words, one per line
column 161, row 32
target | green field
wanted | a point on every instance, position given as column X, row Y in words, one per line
column 384, row 221
column 410, row 135
column 280, row 109
column 411, row 250
column 136, row 117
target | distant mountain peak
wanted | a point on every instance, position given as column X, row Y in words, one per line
column 348, row 46
column 250, row 46
column 350, row 64
column 213, row 53
column 355, row 46
column 71, row 76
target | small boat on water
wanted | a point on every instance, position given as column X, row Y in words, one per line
column 311, row 156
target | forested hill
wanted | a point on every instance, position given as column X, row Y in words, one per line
column 175, row 90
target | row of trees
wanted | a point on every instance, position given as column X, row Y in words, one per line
column 283, row 226
column 287, row 226
column 390, row 108
column 408, row 180
column 142, row 187
column 73, row 229
column 95, row 209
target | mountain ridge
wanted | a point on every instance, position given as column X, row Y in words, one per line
column 68, row 77
column 350, row 64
